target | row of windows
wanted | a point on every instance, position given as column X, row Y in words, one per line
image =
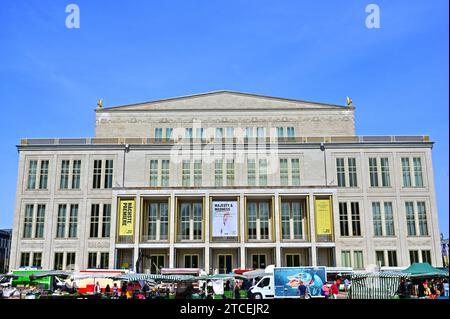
column 383, row 219
column 221, row 132
column 379, row 174
column 383, row 258
column 65, row 260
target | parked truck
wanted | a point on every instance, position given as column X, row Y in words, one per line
column 283, row 282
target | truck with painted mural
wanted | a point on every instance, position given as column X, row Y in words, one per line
column 283, row 282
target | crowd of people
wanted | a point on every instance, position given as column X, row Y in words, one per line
column 423, row 289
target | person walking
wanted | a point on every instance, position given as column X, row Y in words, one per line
column 334, row 290
column 123, row 290
column 346, row 284
column 115, row 290
column 237, row 293
column 107, row 290
column 97, row 289
column 302, row 290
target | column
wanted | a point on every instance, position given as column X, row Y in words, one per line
column 242, row 228
column 172, row 234
column 312, row 225
column 206, row 217
column 137, row 228
column 276, row 219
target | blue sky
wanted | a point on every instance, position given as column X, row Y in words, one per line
column 51, row 76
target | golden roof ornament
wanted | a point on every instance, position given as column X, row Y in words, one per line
column 100, row 103
column 349, row 101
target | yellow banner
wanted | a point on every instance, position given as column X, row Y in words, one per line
column 126, row 217
column 323, row 216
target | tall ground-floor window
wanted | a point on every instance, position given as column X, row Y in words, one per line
column 258, row 220
column 190, row 221
column 191, row 261
column 259, row 261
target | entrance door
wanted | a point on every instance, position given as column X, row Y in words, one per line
column 225, row 264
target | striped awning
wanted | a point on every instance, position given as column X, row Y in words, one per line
column 376, row 285
column 221, row 276
column 156, row 277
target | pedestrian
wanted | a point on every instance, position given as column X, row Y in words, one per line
column 346, row 284
column 107, row 290
column 302, row 290
column 326, row 291
column 123, row 290
column 115, row 291
column 421, row 291
column 334, row 290
column 130, row 291
column 97, row 289
column 237, row 293
column 227, row 285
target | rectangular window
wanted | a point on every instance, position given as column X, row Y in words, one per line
column 285, row 221
column 392, row 258
column 186, row 173
column 291, row 133
column 104, row 260
column 280, row 133
column 352, row 176
column 426, row 256
column 219, row 134
column 76, row 174
column 92, row 260
column 377, row 222
column 295, row 171
column 163, row 221
column 260, row 134
column 293, row 260
column 252, row 220
column 248, row 134
column 373, row 172
column 188, row 133
column 197, row 220
column 158, row 134
column 191, row 221
column 284, row 177
column 169, row 134
column 230, row 172
column 389, row 219
column 73, row 221
column 406, row 172
column 153, row 173
column 380, row 258
column 191, row 261
column 199, row 133
column 152, row 221
column 58, row 263
column 197, row 173
column 32, row 171
column 422, row 217
column 24, row 259
column 40, row 219
column 61, row 221
column 258, row 217
column 43, row 178
column 418, row 178
column 97, row 174
column 70, row 261
column 165, row 173
column 262, row 172
column 259, row 261
column 343, row 219
column 218, row 173
column 356, row 219
column 358, row 262
column 410, row 218
column 385, row 176
column 108, row 173
column 292, row 220
column 345, row 258
column 95, row 219
column 251, row 172
column 340, row 172
column 65, row 170
column 28, row 221
column 106, row 220
column 414, row 256
column 37, row 260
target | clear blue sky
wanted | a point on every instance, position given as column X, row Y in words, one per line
column 51, row 76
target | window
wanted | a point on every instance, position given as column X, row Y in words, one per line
column 97, row 174
column 186, row 173
column 385, row 177
column 43, row 178
column 165, row 173
column 73, row 221
column 284, row 177
column 40, row 219
column 295, row 171
column 352, row 178
column 410, row 219
column 169, row 134
column 392, row 258
column 70, row 261
column 37, row 260
column 389, row 219
column 106, row 220
column 92, row 260
column 293, row 260
column 188, row 133
column 291, row 133
column 96, row 216
column 380, row 258
column 251, row 172
column 191, row 220
column 260, row 134
column 373, row 170
column 346, row 258
column 157, row 221
column 258, row 220
column 358, row 259
column 58, row 263
column 414, row 256
column 230, row 172
column 165, row 170
column 156, row 263
column 406, row 172
column 199, row 133
column 32, row 171
column 95, row 219
column 197, row 173
column 343, row 219
column 191, row 261
column 262, row 172
column 418, row 178
column 158, row 134
column 219, row 134
column 259, row 262
column 377, row 222
column 65, row 169
column 280, row 133
column 28, row 221
column 108, row 173
column 218, row 173
column 293, row 220
column 25, row 259
column 248, row 134
column 426, row 256
column 76, row 174
column 61, row 221
column 422, row 217
column 356, row 219
column 104, row 260
column 340, row 172
column 230, row 133
column 153, row 173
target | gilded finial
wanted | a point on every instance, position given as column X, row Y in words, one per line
column 100, row 103
column 349, row 101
